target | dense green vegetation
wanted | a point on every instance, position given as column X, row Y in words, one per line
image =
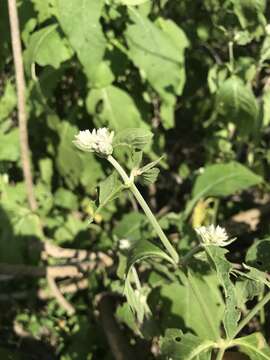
column 85, row 273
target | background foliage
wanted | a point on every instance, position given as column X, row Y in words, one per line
column 194, row 73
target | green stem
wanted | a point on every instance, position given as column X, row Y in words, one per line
column 190, row 254
column 129, row 182
column 231, row 56
column 252, row 313
column 221, row 353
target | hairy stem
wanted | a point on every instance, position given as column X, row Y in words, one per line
column 22, row 117
column 252, row 313
column 152, row 219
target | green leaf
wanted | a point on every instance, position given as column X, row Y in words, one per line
column 159, row 54
column 136, row 138
column 46, row 47
column 222, row 180
column 8, row 101
column 195, row 303
column 150, row 176
column 109, row 189
column 80, row 22
column 46, row 171
column 255, row 275
column 65, row 199
column 113, row 107
column 10, row 146
column 224, row 268
column 250, row 12
column 151, row 165
column 137, row 299
column 178, row 346
column 246, row 290
column 44, row 8
column 266, row 106
column 254, row 346
column 130, row 226
column 144, row 249
column 133, row 2
column 237, row 103
column 258, row 255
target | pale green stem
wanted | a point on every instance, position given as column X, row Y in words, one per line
column 129, row 182
column 220, row 353
column 252, row 313
column 190, row 254
column 231, row 56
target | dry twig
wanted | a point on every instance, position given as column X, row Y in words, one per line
column 58, row 295
column 22, row 117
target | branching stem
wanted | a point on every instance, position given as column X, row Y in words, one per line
column 152, row 219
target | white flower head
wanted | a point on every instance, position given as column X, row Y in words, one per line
column 98, row 141
column 213, row 235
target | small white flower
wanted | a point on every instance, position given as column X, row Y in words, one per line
column 213, row 235
column 98, row 141
column 124, row 244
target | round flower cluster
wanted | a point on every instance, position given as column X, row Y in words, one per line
column 213, row 235
column 98, row 141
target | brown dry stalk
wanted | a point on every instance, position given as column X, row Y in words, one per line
column 58, row 295
column 22, row 116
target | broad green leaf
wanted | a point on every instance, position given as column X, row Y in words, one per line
column 65, row 199
column 136, row 138
column 125, row 315
column 46, row 47
column 237, row 103
column 250, row 12
column 258, row 255
column 46, row 171
column 130, row 226
column 195, row 303
column 254, row 346
column 109, row 189
column 159, row 54
column 44, row 8
column 113, row 107
column 222, row 180
column 132, row 2
column 224, row 268
column 80, row 22
column 178, row 346
column 150, row 176
column 10, row 146
column 7, row 101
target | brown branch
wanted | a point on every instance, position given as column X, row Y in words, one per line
column 58, row 295
column 22, row 117
column 44, row 294
column 58, row 271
